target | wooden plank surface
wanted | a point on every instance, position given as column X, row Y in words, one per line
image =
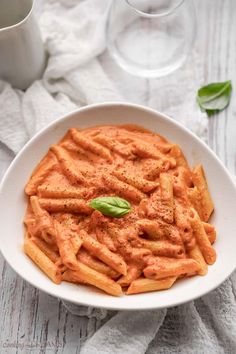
column 34, row 322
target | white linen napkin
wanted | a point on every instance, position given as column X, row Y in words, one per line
column 73, row 32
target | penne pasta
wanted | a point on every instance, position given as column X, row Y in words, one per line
column 176, row 152
column 123, row 189
column 195, row 200
column 114, row 146
column 59, row 192
column 41, row 260
column 200, row 182
column 138, row 254
column 118, row 207
column 60, row 266
column 144, row 285
column 158, row 230
column 163, row 248
column 167, row 198
column 164, row 147
column 182, row 222
column 172, row 268
column 172, row 233
column 99, row 280
column 92, row 262
column 90, row 145
column 195, row 253
column 158, row 207
column 210, row 231
column 65, row 205
column 66, row 246
column 44, row 221
column 40, row 173
column 31, row 226
column 105, row 238
column 158, row 166
column 133, row 273
column 151, row 228
column 203, row 242
column 76, row 242
column 68, row 168
column 99, row 250
column 144, row 150
column 46, row 249
column 181, row 180
column 135, row 181
column 72, row 277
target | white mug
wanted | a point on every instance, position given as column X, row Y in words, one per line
column 22, row 55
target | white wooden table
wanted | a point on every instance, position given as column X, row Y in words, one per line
column 34, row 322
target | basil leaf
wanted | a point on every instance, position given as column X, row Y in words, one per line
column 111, row 206
column 214, row 97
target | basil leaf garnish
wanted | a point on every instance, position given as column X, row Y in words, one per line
column 214, row 97
column 111, row 206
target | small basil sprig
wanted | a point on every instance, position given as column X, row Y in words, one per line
column 214, row 97
column 111, row 206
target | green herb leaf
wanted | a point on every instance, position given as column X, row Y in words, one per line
column 214, row 97
column 111, row 206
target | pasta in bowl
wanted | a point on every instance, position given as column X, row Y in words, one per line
column 79, row 227
column 97, row 195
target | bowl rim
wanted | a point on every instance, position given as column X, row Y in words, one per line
column 147, row 306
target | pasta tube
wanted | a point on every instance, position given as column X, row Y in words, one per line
column 196, row 254
column 92, row 262
column 135, row 181
column 123, row 189
column 171, row 268
column 203, row 242
column 99, row 280
column 41, row 172
column 200, row 182
column 90, row 145
column 99, row 250
column 133, row 273
column 143, row 285
column 163, row 248
column 41, row 260
column 69, row 169
column 65, row 205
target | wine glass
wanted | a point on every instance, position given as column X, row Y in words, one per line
column 150, row 38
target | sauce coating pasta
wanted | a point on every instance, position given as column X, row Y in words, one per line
column 164, row 236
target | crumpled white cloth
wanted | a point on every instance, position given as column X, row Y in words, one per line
column 74, row 35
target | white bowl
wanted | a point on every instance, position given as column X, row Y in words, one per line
column 222, row 188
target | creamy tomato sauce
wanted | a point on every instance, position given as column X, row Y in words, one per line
column 126, row 161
